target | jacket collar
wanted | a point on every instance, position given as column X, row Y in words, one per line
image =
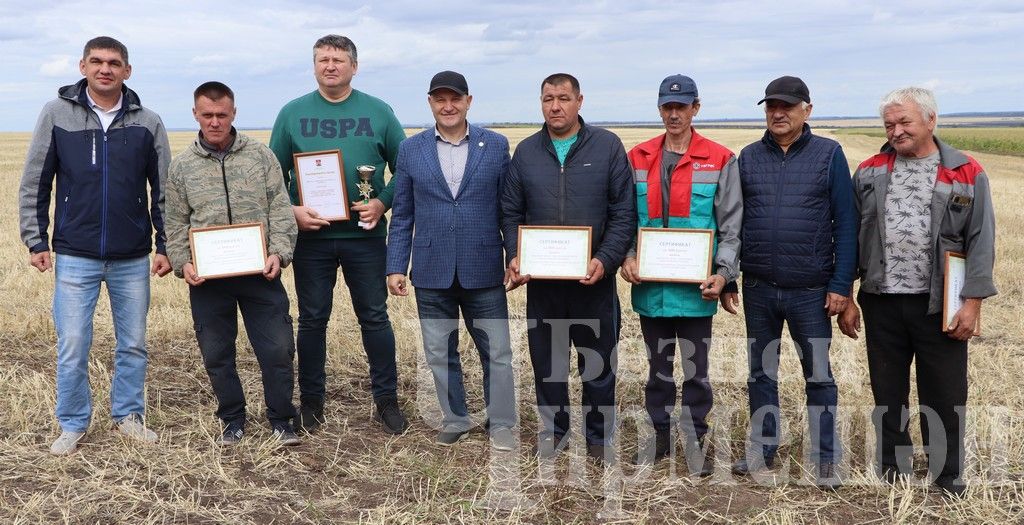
column 949, row 157
column 237, row 144
column 76, row 93
column 805, row 137
column 580, row 135
column 698, row 147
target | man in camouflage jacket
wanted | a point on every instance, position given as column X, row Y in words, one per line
column 226, row 178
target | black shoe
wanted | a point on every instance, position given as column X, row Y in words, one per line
column 551, row 445
column 662, row 447
column 601, row 455
column 742, row 468
column 231, row 435
column 389, row 415
column 286, row 437
column 951, row 486
column 698, row 462
column 309, row 419
column 451, row 437
column 828, row 477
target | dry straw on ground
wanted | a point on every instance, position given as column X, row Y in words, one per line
column 352, row 472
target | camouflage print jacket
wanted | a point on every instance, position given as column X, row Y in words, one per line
column 246, row 186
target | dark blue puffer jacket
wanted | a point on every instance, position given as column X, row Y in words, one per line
column 594, row 188
column 799, row 220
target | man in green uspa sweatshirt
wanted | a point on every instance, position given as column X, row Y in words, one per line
column 365, row 129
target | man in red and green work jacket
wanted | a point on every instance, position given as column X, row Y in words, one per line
column 683, row 180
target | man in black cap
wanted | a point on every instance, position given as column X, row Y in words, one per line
column 799, row 244
column 445, row 214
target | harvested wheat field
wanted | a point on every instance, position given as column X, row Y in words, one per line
column 352, row 472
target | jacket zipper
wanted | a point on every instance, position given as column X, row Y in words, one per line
column 561, row 194
column 103, row 218
column 775, row 217
column 227, row 196
column 63, row 214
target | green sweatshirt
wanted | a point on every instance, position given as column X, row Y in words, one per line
column 366, row 131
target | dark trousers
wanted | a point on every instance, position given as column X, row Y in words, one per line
column 660, row 335
column 316, row 266
column 264, row 306
column 766, row 308
column 486, row 313
column 563, row 314
column 899, row 331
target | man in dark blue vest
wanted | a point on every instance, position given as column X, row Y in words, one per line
column 799, row 243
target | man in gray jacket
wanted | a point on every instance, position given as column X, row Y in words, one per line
column 103, row 149
column 920, row 200
column 226, row 178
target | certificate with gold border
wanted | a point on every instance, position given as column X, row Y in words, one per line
column 320, row 180
column 675, row 255
column 228, row 251
column 554, row 252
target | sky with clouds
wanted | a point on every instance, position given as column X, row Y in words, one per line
column 850, row 53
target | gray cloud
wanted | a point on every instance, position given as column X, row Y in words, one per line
column 850, row 53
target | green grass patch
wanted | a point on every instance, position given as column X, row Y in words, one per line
column 1001, row 141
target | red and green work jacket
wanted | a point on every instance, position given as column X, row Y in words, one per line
column 704, row 193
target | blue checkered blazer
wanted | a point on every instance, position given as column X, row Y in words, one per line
column 445, row 234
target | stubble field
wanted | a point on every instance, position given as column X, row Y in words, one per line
column 352, row 472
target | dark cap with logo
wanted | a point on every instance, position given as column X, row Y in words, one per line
column 449, row 80
column 677, row 88
column 787, row 89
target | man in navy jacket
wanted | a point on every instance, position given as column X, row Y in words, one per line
column 798, row 251
column 104, row 149
column 569, row 173
column 447, row 185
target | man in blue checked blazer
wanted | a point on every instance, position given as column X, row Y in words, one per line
column 448, row 183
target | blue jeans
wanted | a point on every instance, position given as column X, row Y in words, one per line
column 316, row 264
column 486, row 314
column 74, row 302
column 803, row 310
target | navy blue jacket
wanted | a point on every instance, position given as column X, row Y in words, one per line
column 595, row 188
column 104, row 210
column 799, row 219
column 453, row 235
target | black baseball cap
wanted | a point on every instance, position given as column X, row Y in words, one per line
column 449, row 80
column 677, row 88
column 787, row 89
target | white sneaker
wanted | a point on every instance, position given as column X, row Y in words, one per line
column 66, row 443
column 133, row 427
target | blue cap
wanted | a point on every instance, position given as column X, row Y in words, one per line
column 677, row 88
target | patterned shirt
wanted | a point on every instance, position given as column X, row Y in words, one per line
column 452, row 157
column 908, row 249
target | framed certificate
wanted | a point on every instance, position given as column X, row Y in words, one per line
column 674, row 255
column 320, row 178
column 554, row 252
column 227, row 251
column 952, row 287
